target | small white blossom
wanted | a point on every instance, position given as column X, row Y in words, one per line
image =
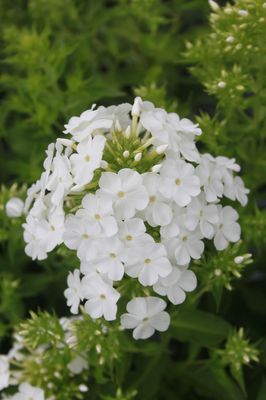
column 100, row 209
column 87, row 159
column 228, row 230
column 14, row 207
column 201, row 214
column 176, row 284
column 145, row 315
column 185, row 246
column 179, row 182
column 28, row 392
column 157, row 212
column 73, row 293
column 132, row 232
column 77, row 365
column 147, row 263
column 101, row 298
column 4, row 372
column 126, row 191
column 81, row 234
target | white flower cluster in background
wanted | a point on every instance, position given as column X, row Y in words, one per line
column 13, row 376
column 129, row 192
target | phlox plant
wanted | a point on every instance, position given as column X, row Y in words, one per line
column 144, row 229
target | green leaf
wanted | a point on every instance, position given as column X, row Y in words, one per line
column 262, row 391
column 200, row 327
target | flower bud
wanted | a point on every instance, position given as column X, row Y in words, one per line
column 138, row 157
column 156, row 168
column 14, row 207
column 243, row 13
column 238, row 259
column 161, row 149
column 214, row 6
column 126, row 154
column 136, row 107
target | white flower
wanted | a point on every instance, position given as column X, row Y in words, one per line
column 108, row 258
column 77, row 365
column 80, row 234
column 102, row 298
column 89, row 122
column 228, row 230
column 176, row 284
column 145, row 315
column 50, row 230
column 35, row 247
column 173, row 229
column 14, row 207
column 126, row 191
column 237, row 190
column 158, row 212
column 28, row 392
column 100, row 209
column 73, row 293
column 186, row 246
column 60, row 179
column 147, row 263
column 4, row 372
column 169, row 129
column 132, row 232
column 87, row 159
column 179, row 182
column 202, row 214
column 210, row 178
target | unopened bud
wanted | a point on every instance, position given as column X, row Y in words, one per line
column 118, row 126
column 138, row 157
column 83, row 388
column 136, row 107
column 156, row 168
column 238, row 259
column 214, row 6
column 243, row 13
column 126, row 154
column 161, row 149
column 14, row 207
column 221, row 85
column 77, row 189
column 65, row 142
column 230, row 39
column 127, row 132
column 104, row 164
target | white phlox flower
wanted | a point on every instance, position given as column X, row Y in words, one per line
column 145, row 316
column 179, row 182
column 28, row 392
column 87, row 159
column 101, row 298
column 100, row 209
column 228, row 230
column 147, row 263
column 176, row 284
column 158, row 211
column 4, row 372
column 73, row 293
column 128, row 191
column 81, row 234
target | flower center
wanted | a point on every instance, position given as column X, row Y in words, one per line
column 129, row 237
column 221, row 226
column 97, row 216
column 87, row 158
column 102, row 296
column 177, row 182
column 121, row 194
column 145, row 319
column 85, row 236
column 152, row 199
column 147, row 261
column 112, row 255
column 184, row 238
column 52, row 227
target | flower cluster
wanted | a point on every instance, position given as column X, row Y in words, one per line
column 20, row 359
column 129, row 192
